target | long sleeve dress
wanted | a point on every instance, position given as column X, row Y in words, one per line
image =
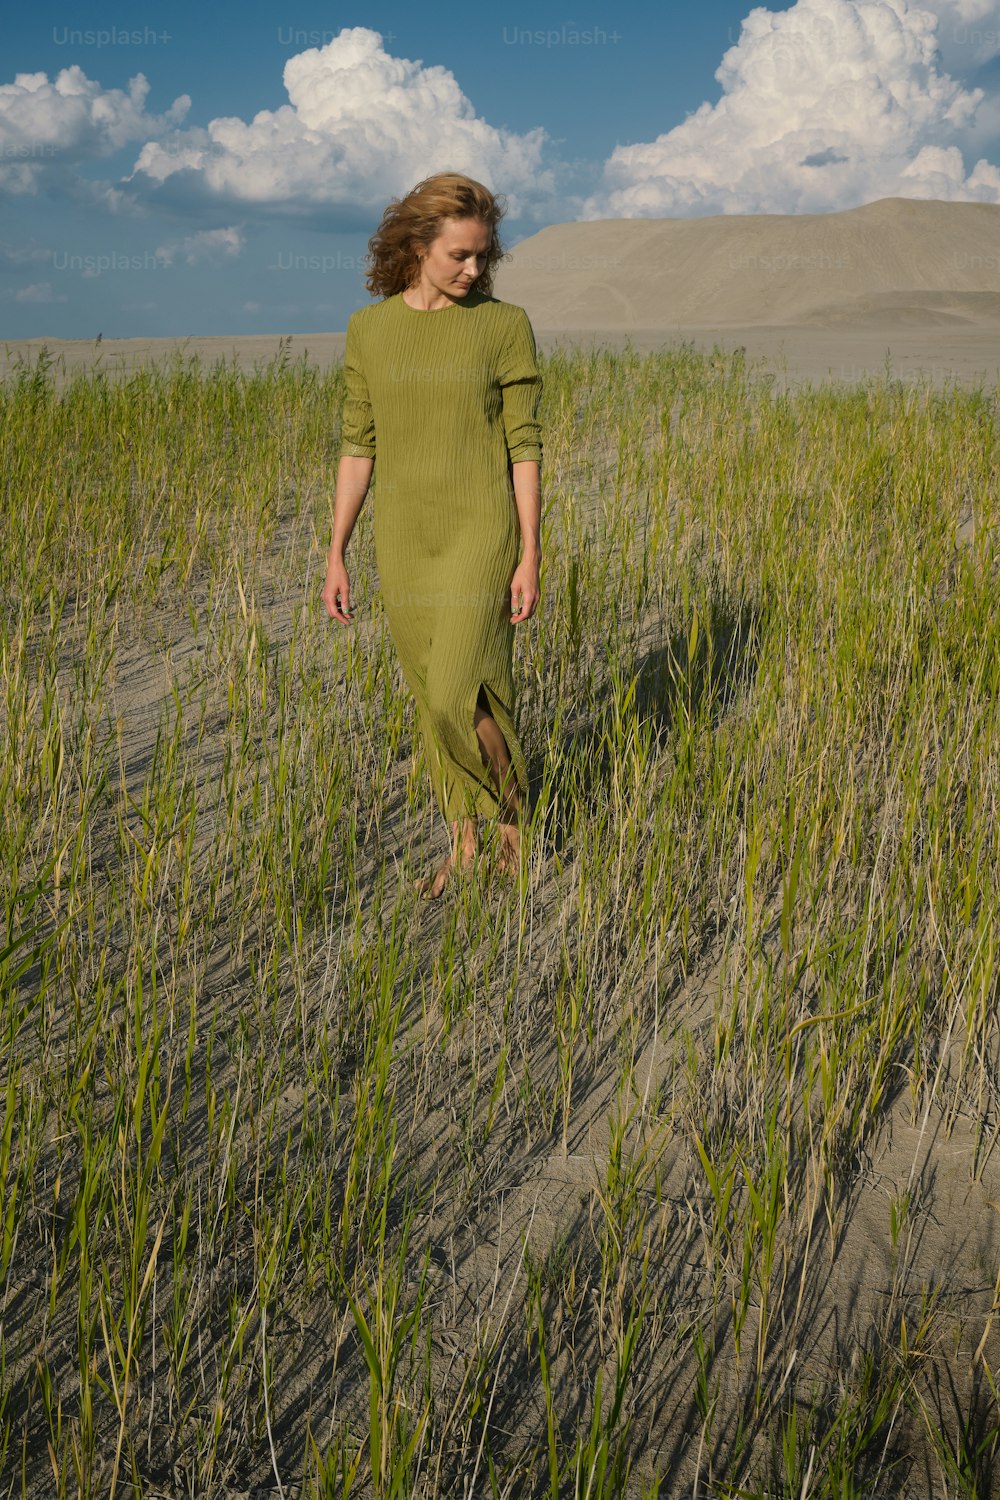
column 446, row 401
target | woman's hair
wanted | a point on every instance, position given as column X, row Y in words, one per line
column 418, row 219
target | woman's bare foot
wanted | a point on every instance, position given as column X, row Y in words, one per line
column 429, row 887
column 463, row 853
column 509, row 852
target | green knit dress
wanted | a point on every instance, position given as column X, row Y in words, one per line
column 446, row 401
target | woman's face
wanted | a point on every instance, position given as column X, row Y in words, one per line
column 457, row 256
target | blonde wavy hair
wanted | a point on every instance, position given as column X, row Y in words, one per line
column 418, row 218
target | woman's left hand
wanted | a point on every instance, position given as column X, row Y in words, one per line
column 525, row 590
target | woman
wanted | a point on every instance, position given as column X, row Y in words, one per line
column 443, row 383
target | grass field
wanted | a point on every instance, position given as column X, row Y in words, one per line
column 669, row 1169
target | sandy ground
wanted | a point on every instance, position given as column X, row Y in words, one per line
column 847, row 1287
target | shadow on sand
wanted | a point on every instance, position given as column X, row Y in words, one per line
column 688, row 678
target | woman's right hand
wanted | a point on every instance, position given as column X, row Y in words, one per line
column 337, row 588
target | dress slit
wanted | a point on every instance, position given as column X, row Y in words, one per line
column 504, row 720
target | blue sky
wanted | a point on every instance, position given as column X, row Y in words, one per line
column 180, row 170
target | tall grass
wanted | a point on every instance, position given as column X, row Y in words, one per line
column 543, row 1190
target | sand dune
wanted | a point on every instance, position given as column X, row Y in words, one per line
column 899, row 262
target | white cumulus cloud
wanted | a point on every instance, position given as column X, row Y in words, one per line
column 212, row 245
column 828, row 105
column 45, row 124
column 360, row 126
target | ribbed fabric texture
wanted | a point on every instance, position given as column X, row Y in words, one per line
column 446, row 401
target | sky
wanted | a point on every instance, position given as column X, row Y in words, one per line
column 184, row 170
